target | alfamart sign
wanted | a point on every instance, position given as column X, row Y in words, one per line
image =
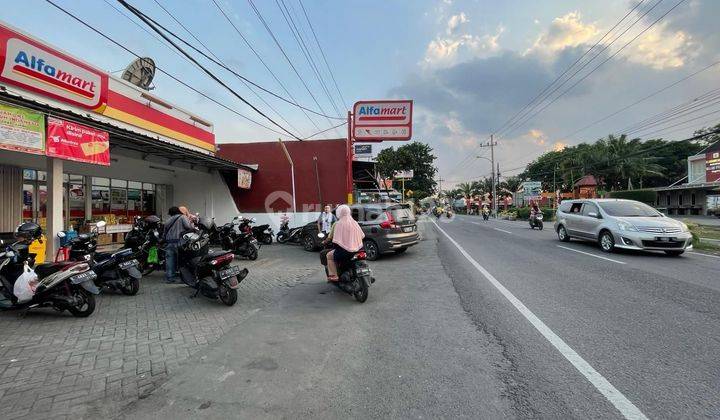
column 382, row 120
column 32, row 66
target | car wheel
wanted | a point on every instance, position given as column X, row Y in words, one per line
column 371, row 250
column 607, row 242
column 308, row 243
column 562, row 234
column 674, row 253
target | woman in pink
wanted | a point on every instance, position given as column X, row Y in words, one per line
column 347, row 239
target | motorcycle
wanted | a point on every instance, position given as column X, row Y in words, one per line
column 285, row 234
column 448, row 214
column 209, row 273
column 213, row 230
column 144, row 239
column 354, row 277
column 62, row 286
column 263, row 233
column 239, row 239
column 486, row 214
column 536, row 221
column 118, row 271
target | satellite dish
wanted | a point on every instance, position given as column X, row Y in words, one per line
column 140, row 72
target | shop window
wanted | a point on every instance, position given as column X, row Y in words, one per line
column 692, row 199
column 76, row 198
column 28, row 199
column 148, row 201
column 30, row 174
column 121, row 183
column 135, row 185
column 103, row 182
column 118, row 202
column 41, row 176
column 100, row 197
column 134, row 202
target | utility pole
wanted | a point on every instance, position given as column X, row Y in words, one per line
column 492, row 145
column 497, row 182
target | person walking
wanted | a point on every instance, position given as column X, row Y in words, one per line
column 326, row 220
column 174, row 228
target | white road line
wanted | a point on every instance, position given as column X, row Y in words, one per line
column 704, row 255
column 592, row 255
column 616, row 398
column 503, row 230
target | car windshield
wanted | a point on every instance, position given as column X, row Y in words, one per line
column 629, row 209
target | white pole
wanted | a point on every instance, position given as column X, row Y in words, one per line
column 292, row 177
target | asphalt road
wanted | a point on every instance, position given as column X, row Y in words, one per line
column 645, row 322
column 526, row 330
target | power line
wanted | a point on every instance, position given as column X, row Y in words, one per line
column 325, row 130
column 144, row 18
column 160, row 69
column 247, row 85
column 282, row 50
column 269, row 70
column 604, row 61
column 332, row 76
column 700, row 103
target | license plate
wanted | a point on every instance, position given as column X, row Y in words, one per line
column 408, row 229
column 83, row 277
column 230, row 272
column 127, row 264
column 362, row 271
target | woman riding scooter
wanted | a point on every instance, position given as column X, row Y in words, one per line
column 347, row 239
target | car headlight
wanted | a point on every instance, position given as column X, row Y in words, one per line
column 625, row 226
column 684, row 227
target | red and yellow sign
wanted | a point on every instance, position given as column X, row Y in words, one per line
column 712, row 166
column 67, row 140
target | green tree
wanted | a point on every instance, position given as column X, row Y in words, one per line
column 414, row 156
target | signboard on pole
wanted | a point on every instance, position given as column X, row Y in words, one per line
column 244, row 178
column 363, row 149
column 712, row 166
column 382, row 120
column 22, row 130
column 404, row 174
column 71, row 141
column 531, row 190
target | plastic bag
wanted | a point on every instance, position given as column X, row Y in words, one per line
column 153, row 255
column 25, row 285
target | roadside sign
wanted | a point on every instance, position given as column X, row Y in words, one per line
column 363, row 149
column 404, row 174
column 531, row 190
column 382, row 120
column 244, row 178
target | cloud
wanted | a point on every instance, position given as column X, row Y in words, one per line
column 661, row 48
column 559, row 146
column 454, row 22
column 455, row 45
column 537, row 136
column 564, row 31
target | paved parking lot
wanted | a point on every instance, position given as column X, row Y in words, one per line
column 54, row 364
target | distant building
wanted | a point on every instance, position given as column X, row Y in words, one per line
column 700, row 194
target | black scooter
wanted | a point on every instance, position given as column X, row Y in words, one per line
column 209, row 273
column 144, row 239
column 117, row 271
column 62, row 286
column 287, row 235
column 263, row 233
column 354, row 277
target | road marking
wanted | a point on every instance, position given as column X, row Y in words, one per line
column 503, row 230
column 592, row 255
column 615, row 397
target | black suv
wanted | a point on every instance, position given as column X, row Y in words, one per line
column 387, row 226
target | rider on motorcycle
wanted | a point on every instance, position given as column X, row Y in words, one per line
column 534, row 209
column 347, row 239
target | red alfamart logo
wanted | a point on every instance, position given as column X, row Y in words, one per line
column 35, row 67
column 45, row 72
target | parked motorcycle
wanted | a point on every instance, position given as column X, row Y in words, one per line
column 536, row 221
column 287, row 235
column 209, row 273
column 238, row 238
column 144, row 240
column 62, row 286
column 354, row 277
column 117, row 271
column 208, row 225
column 263, row 233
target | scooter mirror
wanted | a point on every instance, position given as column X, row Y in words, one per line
column 101, row 224
column 61, row 234
column 253, row 220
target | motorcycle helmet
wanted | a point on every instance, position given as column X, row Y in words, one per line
column 28, row 231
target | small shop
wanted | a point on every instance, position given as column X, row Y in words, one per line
column 78, row 145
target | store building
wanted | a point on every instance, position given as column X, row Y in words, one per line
column 78, row 144
column 700, row 195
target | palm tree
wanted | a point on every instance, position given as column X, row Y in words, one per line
column 466, row 189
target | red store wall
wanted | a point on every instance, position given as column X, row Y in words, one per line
column 273, row 174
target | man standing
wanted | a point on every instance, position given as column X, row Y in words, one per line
column 176, row 226
column 326, row 220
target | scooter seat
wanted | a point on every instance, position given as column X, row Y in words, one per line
column 44, row 270
column 102, row 256
column 214, row 254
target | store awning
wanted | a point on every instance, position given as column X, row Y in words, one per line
column 121, row 137
column 713, row 186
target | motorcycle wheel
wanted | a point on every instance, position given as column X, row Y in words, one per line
column 227, row 295
column 131, row 288
column 252, row 256
column 267, row 240
column 86, row 308
column 146, row 268
column 540, row 225
column 362, row 294
column 281, row 237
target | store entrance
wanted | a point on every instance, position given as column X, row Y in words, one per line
column 35, row 198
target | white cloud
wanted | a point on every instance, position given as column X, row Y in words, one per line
column 660, row 48
column 565, row 31
column 456, row 45
column 454, row 22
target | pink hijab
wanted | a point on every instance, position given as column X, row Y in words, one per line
column 347, row 232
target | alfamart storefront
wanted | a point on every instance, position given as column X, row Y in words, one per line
column 79, row 145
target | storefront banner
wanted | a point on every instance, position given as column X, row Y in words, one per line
column 67, row 140
column 22, row 130
column 712, row 166
column 244, row 179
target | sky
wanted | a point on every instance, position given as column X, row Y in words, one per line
column 470, row 66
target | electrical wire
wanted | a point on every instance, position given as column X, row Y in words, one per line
column 161, row 70
column 144, row 18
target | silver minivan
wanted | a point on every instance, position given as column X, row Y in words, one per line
column 616, row 223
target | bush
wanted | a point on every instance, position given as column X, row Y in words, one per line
column 644, row 196
column 523, row 213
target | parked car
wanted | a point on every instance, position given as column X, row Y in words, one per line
column 616, row 223
column 388, row 227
